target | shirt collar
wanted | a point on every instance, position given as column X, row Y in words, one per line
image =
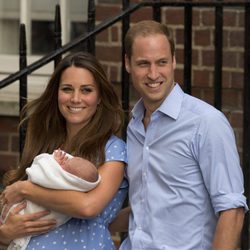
column 138, row 110
column 170, row 107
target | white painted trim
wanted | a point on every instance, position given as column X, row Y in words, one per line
column 9, row 96
column 25, row 18
column 37, row 81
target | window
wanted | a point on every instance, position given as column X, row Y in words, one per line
column 38, row 17
column 9, row 26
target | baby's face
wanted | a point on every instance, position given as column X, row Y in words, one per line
column 81, row 168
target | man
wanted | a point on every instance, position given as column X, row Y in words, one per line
column 186, row 185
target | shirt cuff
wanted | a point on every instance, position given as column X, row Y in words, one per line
column 229, row 201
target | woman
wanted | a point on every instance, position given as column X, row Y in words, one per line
column 80, row 113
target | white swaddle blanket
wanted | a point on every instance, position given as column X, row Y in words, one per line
column 46, row 172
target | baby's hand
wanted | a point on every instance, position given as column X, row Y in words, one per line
column 60, row 156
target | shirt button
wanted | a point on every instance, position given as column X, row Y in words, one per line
column 139, row 227
column 147, row 148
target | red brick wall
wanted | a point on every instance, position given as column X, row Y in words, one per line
column 108, row 51
column 9, row 144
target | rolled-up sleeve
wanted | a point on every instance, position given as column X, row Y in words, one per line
column 219, row 162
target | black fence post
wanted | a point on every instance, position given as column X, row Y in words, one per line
column 125, row 86
column 125, row 75
column 246, row 126
column 218, row 42
column 91, row 26
column 157, row 11
column 188, row 49
column 57, row 34
column 22, row 81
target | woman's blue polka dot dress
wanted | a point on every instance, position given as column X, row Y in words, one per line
column 89, row 234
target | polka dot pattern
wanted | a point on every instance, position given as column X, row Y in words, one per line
column 89, row 234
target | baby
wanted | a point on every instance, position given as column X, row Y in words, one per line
column 57, row 171
column 77, row 166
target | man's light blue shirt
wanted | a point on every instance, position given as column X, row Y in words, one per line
column 183, row 170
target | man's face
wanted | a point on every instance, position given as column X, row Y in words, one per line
column 152, row 69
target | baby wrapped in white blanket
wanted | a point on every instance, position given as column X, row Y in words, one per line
column 57, row 171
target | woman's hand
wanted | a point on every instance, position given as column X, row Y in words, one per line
column 13, row 193
column 17, row 226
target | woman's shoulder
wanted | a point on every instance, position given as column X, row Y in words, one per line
column 115, row 140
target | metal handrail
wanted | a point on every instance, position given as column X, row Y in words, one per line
column 52, row 55
column 130, row 9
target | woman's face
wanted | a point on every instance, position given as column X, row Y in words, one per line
column 78, row 97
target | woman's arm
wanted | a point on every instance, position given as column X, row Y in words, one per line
column 73, row 203
column 17, row 226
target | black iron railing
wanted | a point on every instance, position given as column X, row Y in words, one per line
column 88, row 42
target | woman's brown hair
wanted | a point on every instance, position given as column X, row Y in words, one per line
column 46, row 127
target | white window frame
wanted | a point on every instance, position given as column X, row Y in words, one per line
column 9, row 96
